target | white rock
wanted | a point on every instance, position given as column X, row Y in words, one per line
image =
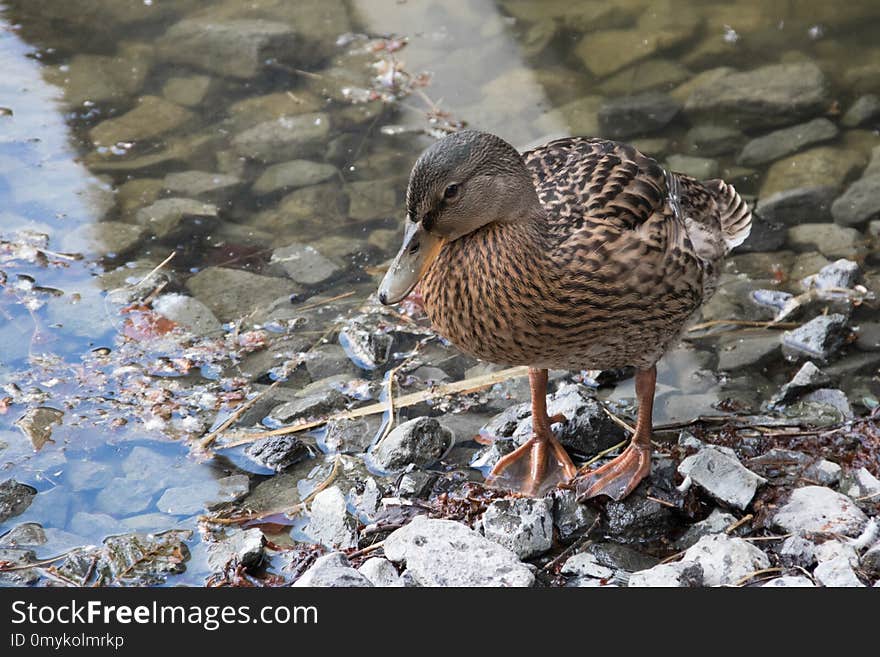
column 797, row 551
column 585, row 564
column 520, row 524
column 818, row 509
column 725, row 560
column 716, row 522
column 864, row 485
column 832, row 550
column 667, row 575
column 332, row 570
column 722, row 476
column 380, row 572
column 837, row 572
column 448, row 553
column 789, row 581
column 329, row 521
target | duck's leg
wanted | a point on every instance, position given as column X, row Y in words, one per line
column 541, row 446
column 619, row 477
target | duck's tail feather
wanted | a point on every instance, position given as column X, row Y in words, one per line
column 733, row 213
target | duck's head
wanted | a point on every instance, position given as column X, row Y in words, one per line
column 459, row 184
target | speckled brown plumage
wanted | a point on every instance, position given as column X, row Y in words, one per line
column 606, row 276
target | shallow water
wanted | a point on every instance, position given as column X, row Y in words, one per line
column 516, row 68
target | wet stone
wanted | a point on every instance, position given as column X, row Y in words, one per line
column 329, row 360
column 285, row 138
column 522, row 525
column 865, row 109
column 22, row 576
column 309, row 406
column 374, row 199
column 189, row 312
column 381, row 572
column 747, row 352
column 786, row 141
column 570, row 517
column 366, row 348
column 99, row 78
column 715, row 523
column 95, row 524
column 819, row 338
column 244, row 547
column 27, row 534
column 188, row 91
column 332, row 570
column 203, row 185
column 722, row 476
column 420, row 441
column 36, row 424
column 233, row 48
column 192, row 498
column 636, row 519
column 834, row 398
column 151, row 118
column 351, row 436
column 859, row 203
column 233, row 293
column 807, row 378
column 636, row 115
column 330, row 523
column 864, row 485
column 766, row 96
column 304, row 264
column 415, row 483
column 291, row 175
column 701, row 168
column 448, row 553
column 842, row 273
column 15, row 498
column 713, row 140
column 868, row 336
column 816, row 509
column 278, row 452
column 165, row 215
column 725, row 560
column 123, row 497
column 104, row 237
column 831, row 240
column 669, row 575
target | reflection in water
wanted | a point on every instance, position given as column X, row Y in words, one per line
column 267, row 146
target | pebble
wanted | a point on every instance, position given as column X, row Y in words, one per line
column 701, row 168
column 192, row 498
column 103, row 237
column 710, row 140
column 330, row 523
column 27, row 534
column 725, row 560
column 332, row 570
column 870, row 561
column 636, row 519
column 641, row 114
column 188, row 91
column 448, row 553
column 164, row 216
column 304, row 264
column 285, row 138
column 825, row 472
column 420, row 441
column 817, row 509
column 784, row 142
column 309, row 405
column 202, row 185
column 797, row 550
column 351, row 436
column 36, row 424
column 834, row 398
column 864, row 485
column 189, row 312
column 669, row 575
column 722, row 476
column 842, row 273
column 819, row 338
column 522, row 525
column 859, row 203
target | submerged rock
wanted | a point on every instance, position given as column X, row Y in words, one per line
column 520, row 524
column 207, row 185
column 37, row 424
column 831, row 240
column 189, row 312
column 722, row 476
column 152, row 118
column 332, row 570
column 448, row 553
column 285, row 138
column 15, row 498
column 164, row 216
column 233, row 293
column 725, row 560
column 859, row 203
column 819, row 338
column 807, row 378
column 816, row 509
column 865, row 109
column 786, row 141
column 304, row 263
column 293, row 174
column 421, row 441
column 645, row 113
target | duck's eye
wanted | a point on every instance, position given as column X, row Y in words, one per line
column 451, row 191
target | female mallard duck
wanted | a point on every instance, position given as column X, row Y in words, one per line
column 581, row 253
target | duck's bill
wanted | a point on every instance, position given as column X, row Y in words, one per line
column 419, row 250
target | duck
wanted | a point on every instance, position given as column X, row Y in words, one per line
column 581, row 253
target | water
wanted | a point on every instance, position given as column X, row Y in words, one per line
column 516, row 68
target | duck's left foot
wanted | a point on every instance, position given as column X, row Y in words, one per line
column 618, row 478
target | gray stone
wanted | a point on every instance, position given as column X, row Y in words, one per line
column 522, row 525
column 859, row 203
column 87, row 475
column 713, row 140
column 770, row 95
column 103, row 237
column 842, row 273
column 585, row 564
column 291, row 175
column 367, row 347
column 165, row 215
column 381, row 572
column 15, row 498
column 330, row 523
column 95, row 524
column 786, row 141
column 837, row 573
column 189, row 312
column 188, row 91
column 865, row 109
column 415, row 483
column 627, row 116
column 152, row 118
column 448, row 553
column 801, row 204
column 22, row 576
column 329, row 360
column 701, row 168
column 807, row 378
column 286, row 138
column 351, row 436
column 722, row 476
column 233, row 293
column 816, row 509
column 309, row 405
column 715, row 523
column 636, row 519
column 332, row 570
column 421, row 441
column 304, row 264
column 278, row 452
column 192, row 498
column 819, row 338
column 203, row 185
column 870, row 561
column 669, row 575
column 739, row 353
column 789, row 581
column 372, row 199
column 824, row 472
column 725, row 560
column 830, row 240
column 242, row 546
column 797, row 551
column 832, row 397
column 100, row 78
column 27, row 534
column 570, row 516
column 868, row 336
column 864, row 485
column 233, row 48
